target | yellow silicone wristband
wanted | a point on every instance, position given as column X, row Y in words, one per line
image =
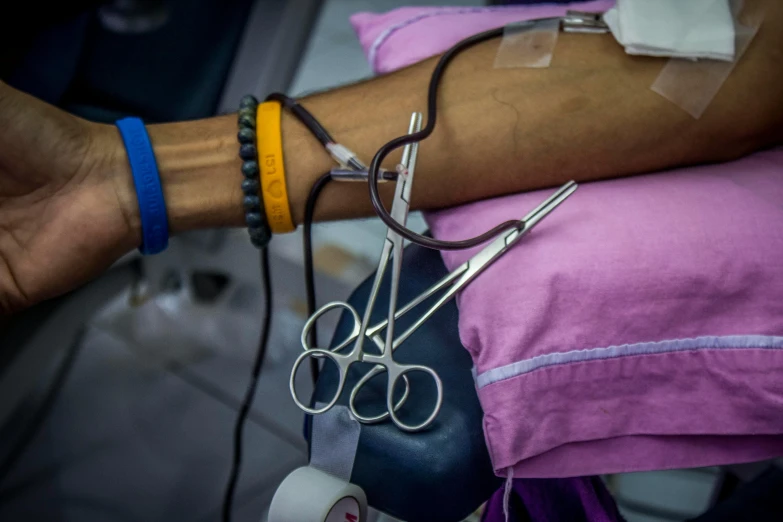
column 270, row 158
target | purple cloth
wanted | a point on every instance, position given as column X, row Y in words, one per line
column 640, row 326
column 583, row 499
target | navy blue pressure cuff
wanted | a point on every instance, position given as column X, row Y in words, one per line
column 152, row 206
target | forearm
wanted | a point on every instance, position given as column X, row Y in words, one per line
column 590, row 116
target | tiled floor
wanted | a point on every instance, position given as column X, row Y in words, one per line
column 129, row 439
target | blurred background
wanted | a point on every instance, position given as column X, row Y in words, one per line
column 148, row 364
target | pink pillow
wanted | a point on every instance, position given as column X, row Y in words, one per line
column 408, row 35
column 640, row 326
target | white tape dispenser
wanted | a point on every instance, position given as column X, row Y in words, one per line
column 310, row 495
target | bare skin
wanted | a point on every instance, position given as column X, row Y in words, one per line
column 68, row 208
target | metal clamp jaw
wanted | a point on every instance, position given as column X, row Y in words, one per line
column 346, row 174
column 583, row 22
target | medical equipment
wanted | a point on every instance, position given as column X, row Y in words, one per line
column 392, row 247
column 453, row 282
column 329, row 499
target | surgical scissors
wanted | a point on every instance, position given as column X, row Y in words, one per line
column 451, row 283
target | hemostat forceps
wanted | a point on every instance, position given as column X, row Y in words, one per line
column 392, row 248
column 451, row 283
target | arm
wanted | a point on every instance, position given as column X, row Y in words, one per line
column 590, row 116
column 68, row 208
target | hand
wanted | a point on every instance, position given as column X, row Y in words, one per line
column 66, row 212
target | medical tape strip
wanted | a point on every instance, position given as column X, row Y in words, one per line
column 528, row 44
column 334, row 441
column 692, row 85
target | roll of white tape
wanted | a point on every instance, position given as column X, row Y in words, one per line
column 309, row 495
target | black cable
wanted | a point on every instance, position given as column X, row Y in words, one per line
column 317, row 130
column 312, row 124
column 251, row 389
column 304, row 116
column 325, row 138
column 46, row 406
column 375, row 165
column 307, row 240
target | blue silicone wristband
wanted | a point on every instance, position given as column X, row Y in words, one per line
column 152, row 207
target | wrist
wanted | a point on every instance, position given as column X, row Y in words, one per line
column 199, row 174
column 109, row 159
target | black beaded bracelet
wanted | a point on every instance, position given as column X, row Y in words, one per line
column 255, row 215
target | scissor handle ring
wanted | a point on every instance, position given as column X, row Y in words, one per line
column 376, row 370
column 318, row 353
column 394, row 375
column 310, row 324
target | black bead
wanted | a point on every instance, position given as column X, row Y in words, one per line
column 247, row 151
column 247, row 121
column 248, row 101
column 260, row 237
column 252, row 203
column 253, row 219
column 250, row 187
column 260, row 243
column 247, row 112
column 246, row 135
column 250, row 169
column 260, row 233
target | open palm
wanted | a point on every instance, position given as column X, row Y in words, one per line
column 61, row 220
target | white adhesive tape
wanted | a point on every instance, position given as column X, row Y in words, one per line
column 310, row 495
column 692, row 85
